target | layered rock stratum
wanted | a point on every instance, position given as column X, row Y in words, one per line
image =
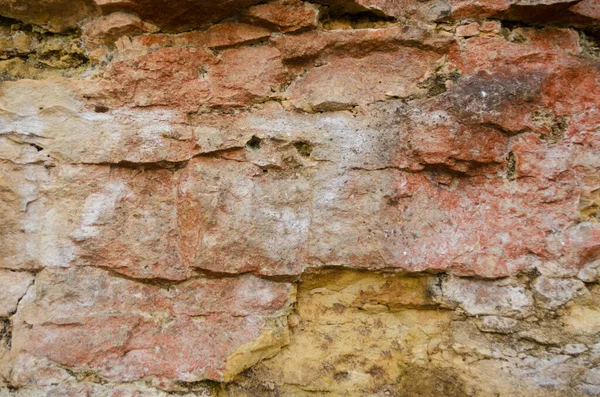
column 293, row 198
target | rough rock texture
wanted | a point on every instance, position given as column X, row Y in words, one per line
column 290, row 198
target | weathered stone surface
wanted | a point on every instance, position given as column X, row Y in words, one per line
column 343, row 340
column 587, row 8
column 74, row 389
column 26, row 242
column 14, row 285
column 31, row 52
column 106, row 29
column 246, row 75
column 285, row 15
column 222, row 35
column 584, row 316
column 345, row 83
column 426, row 173
column 45, row 121
column 54, row 15
column 176, row 69
column 391, row 339
column 165, row 334
column 261, row 224
column 496, row 324
column 487, row 298
column 177, row 15
column 355, row 43
column 103, row 210
column 556, row 292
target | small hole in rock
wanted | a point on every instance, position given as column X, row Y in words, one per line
column 304, row 148
column 100, row 109
column 254, row 143
column 511, row 166
column 37, row 147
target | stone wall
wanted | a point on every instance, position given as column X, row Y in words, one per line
column 288, row 198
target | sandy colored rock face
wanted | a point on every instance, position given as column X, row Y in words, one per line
column 362, row 333
column 292, row 198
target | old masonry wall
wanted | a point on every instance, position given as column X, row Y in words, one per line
column 299, row 198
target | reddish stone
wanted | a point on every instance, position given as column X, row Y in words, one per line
column 246, row 75
column 531, row 93
column 93, row 217
column 587, row 8
column 106, row 29
column 237, row 218
column 582, row 129
column 229, row 34
column 112, row 217
column 538, row 11
column 285, row 15
column 490, row 26
column 238, row 77
column 530, row 50
column 177, row 16
column 530, row 159
column 141, row 191
column 348, row 82
column 221, row 35
column 377, row 7
column 416, row 224
column 481, row 9
column 581, row 80
column 126, row 331
column 357, row 43
column 166, row 77
column 446, row 149
column 471, row 29
column 575, row 246
column 460, row 148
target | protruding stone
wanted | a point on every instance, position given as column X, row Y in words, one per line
column 345, row 83
column 178, row 16
column 230, row 34
column 587, row 8
column 49, row 116
column 285, row 15
column 246, row 75
column 487, row 298
column 107, row 29
column 575, row 349
column 53, row 15
column 471, row 29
